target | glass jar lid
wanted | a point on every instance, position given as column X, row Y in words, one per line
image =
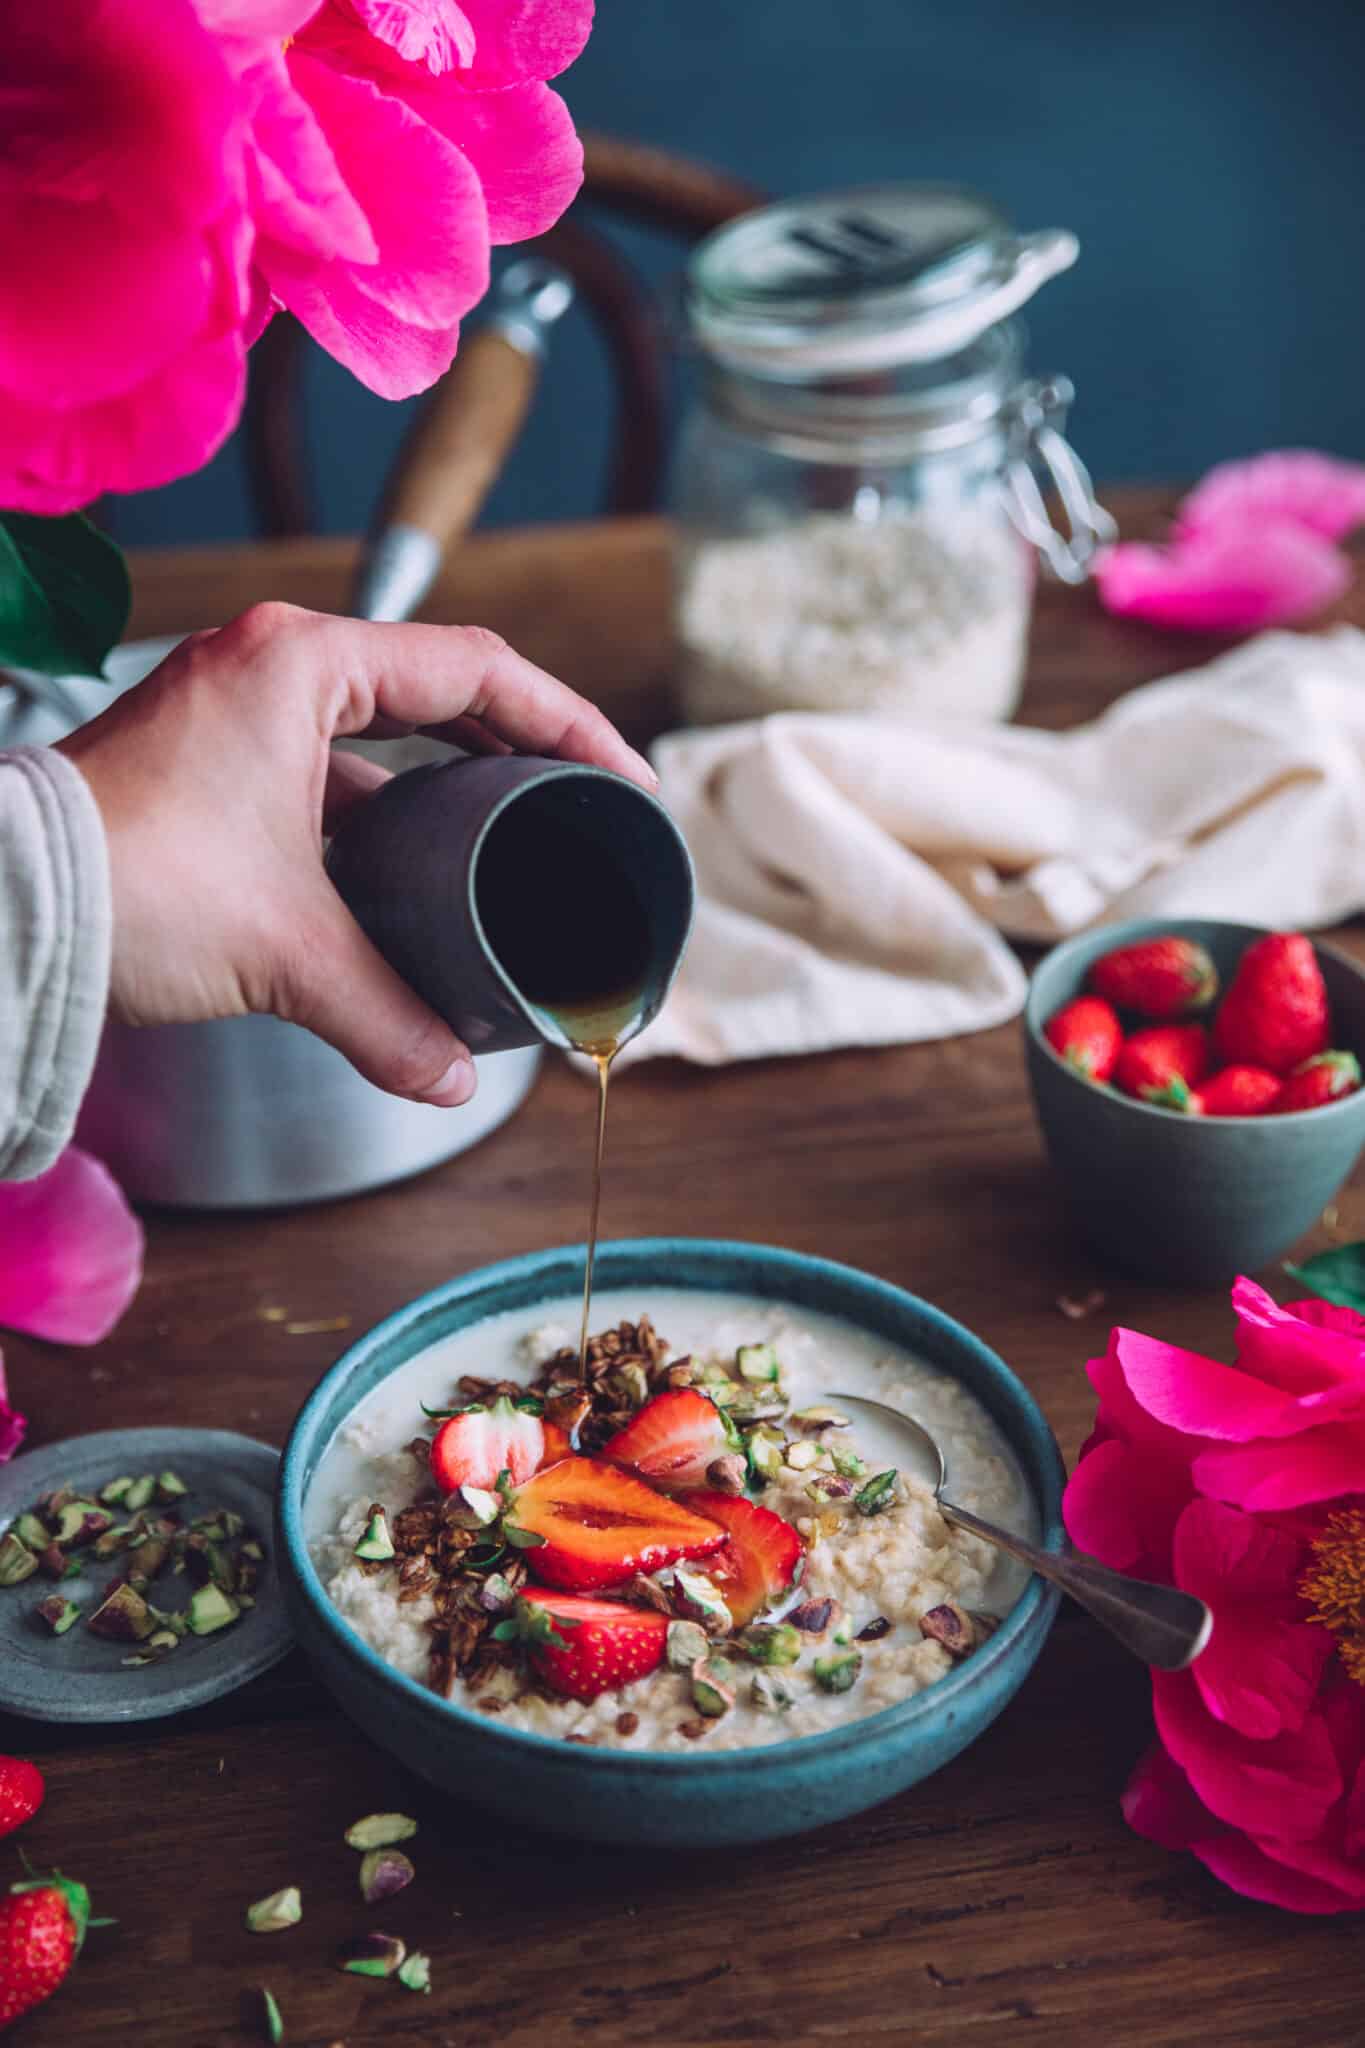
column 863, row 280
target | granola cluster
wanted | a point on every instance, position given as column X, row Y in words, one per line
column 625, row 1366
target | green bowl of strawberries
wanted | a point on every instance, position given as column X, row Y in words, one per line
column 1198, row 1085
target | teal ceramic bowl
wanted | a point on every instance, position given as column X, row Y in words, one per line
column 666, row 1799
column 1177, row 1198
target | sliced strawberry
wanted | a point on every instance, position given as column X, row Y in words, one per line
column 557, row 1443
column 472, row 1448
column 585, row 1647
column 672, row 1440
column 599, row 1526
column 759, row 1562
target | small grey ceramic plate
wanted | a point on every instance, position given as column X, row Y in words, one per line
column 79, row 1677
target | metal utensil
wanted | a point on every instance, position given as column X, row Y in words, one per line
column 1159, row 1624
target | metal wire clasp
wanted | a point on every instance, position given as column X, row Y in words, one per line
column 1037, row 447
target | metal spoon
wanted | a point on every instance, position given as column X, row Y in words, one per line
column 1160, row 1624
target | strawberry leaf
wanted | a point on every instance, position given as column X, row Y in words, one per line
column 522, row 1539
column 1337, row 1276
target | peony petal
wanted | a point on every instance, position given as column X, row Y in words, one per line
column 1286, row 1784
column 1224, row 580
column 13, row 1425
column 273, row 21
column 522, row 144
column 1258, row 1873
column 1197, row 1395
column 1264, row 1478
column 70, row 1251
column 53, row 462
column 1302, row 1348
column 517, row 40
column 1261, row 1669
column 394, row 322
column 1160, row 1804
column 431, row 32
column 1293, row 486
column 300, row 197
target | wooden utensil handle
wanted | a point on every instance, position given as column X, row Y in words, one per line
column 461, row 438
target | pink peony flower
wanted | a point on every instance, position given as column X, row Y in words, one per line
column 1224, row 579
column 1242, row 1483
column 200, row 162
column 13, row 1425
column 70, row 1252
column 122, row 359
column 1291, row 487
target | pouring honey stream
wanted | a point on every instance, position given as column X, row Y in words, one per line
column 569, row 927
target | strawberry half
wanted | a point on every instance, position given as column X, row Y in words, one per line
column 21, row 1792
column 557, row 1442
column 599, row 1526
column 673, row 1440
column 586, row 1647
column 473, row 1447
column 761, row 1557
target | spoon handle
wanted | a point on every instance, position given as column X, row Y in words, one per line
column 1160, row 1624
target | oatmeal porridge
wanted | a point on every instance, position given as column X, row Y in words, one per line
column 705, row 1553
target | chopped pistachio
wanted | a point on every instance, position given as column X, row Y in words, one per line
column 711, row 1695
column 272, row 2024
column 838, row 1671
column 758, row 1363
column 685, row 1643
column 382, row 1873
column 714, row 1374
column 826, row 1486
column 55, row 1562
column 728, row 1474
column 124, row 1615
column 765, row 1453
column 769, row 1642
column 496, row 1594
column 630, row 1384
column 252, row 1549
column 112, row 1541
column 380, row 1830
column 373, row 1955
column 697, row 1600
column 414, row 1974
column 878, row 1495
column 33, row 1531
column 163, row 1639
column 874, row 1630
column 222, row 1570
column 245, row 1599
column 812, row 1420
column 211, row 1609
column 477, row 1508
column 233, row 1524
column 802, row 1455
column 170, row 1486
column 272, row 1915
column 769, row 1693
column 247, row 1576
column 57, row 1613
column 139, row 1493
column 847, row 1463
column 80, row 1521
column 116, row 1492
column 376, row 1544
column 813, row 1617
column 954, row 1628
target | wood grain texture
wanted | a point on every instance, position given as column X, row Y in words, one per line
column 1003, row 1899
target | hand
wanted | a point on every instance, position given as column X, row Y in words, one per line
column 216, row 780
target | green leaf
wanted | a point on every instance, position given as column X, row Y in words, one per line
column 1337, row 1276
column 522, row 1539
column 64, row 594
column 448, row 1414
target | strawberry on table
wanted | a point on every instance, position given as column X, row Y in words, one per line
column 1087, row 1034
column 1275, row 1012
column 761, row 1557
column 42, row 1926
column 21, row 1792
column 473, row 1447
column 1236, row 1091
column 673, row 1440
column 582, row 1647
column 1325, row 1078
column 1163, row 1063
column 599, row 1526
column 1160, row 978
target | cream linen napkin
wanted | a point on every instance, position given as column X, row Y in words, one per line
column 856, row 875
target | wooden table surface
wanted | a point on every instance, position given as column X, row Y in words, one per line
column 1004, row 1894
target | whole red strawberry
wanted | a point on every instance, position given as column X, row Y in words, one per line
column 1275, row 1013
column 584, row 1647
column 42, row 1926
column 21, row 1792
column 1236, row 1091
column 1087, row 1034
column 1159, row 978
column 1325, row 1078
column 1163, row 1063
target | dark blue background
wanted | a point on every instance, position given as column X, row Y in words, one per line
column 1207, row 154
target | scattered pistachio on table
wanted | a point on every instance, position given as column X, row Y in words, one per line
column 271, row 2020
column 275, row 1912
column 380, row 1831
column 414, row 1972
column 382, row 1873
column 373, row 1955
